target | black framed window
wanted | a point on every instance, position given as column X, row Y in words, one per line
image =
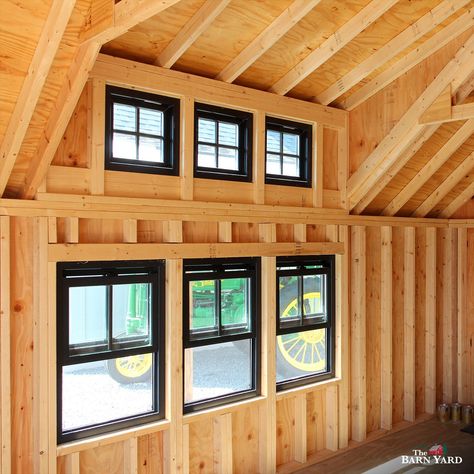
column 288, row 152
column 142, row 132
column 305, row 320
column 110, row 346
column 221, row 331
column 223, row 143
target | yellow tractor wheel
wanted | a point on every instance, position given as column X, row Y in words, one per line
column 131, row 369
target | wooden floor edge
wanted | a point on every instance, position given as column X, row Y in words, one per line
column 325, row 454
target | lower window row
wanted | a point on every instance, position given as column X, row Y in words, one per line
column 110, row 336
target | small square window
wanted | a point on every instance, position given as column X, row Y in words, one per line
column 141, row 132
column 288, row 153
column 223, row 143
column 305, row 320
column 110, row 335
column 221, row 327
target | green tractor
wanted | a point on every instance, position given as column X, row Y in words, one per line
column 297, row 353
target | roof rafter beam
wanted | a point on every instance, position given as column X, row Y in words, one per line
column 402, row 41
column 445, row 187
column 266, row 39
column 368, row 15
column 419, row 54
column 40, row 65
column 190, row 32
column 407, row 128
column 430, row 168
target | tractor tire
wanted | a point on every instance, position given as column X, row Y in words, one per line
column 132, row 369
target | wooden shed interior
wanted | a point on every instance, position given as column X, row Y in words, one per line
column 385, row 92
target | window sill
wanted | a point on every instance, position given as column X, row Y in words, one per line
column 110, row 438
column 292, row 392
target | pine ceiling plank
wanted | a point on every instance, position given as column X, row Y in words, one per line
column 433, row 165
column 458, row 202
column 406, row 155
column 419, row 54
column 367, row 16
column 402, row 41
column 190, row 32
column 266, row 39
column 407, row 128
column 41, row 62
column 446, row 186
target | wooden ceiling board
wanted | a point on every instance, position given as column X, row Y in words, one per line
column 18, row 39
column 389, row 25
column 403, row 53
column 401, row 179
column 438, row 178
column 452, row 195
column 147, row 40
column 228, row 35
column 308, row 34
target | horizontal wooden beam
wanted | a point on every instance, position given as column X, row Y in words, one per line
column 453, row 113
column 266, row 39
column 104, row 207
column 83, row 252
column 191, row 31
column 419, row 54
column 154, row 79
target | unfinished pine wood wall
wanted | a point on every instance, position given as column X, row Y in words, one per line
column 402, row 311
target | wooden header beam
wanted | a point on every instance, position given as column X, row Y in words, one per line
column 452, row 113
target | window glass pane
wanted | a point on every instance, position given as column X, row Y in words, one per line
column 124, row 146
column 300, row 354
column 151, row 149
column 228, row 134
column 131, row 312
column 207, row 156
column 235, row 304
column 206, row 130
column 273, row 164
column 151, row 121
column 273, row 141
column 291, row 144
column 125, row 117
column 314, row 297
column 228, row 159
column 98, row 392
column 290, row 304
column 202, row 302
column 291, row 166
column 87, row 316
column 218, row 369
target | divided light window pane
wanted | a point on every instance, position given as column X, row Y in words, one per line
column 207, row 156
column 273, row 164
column 125, row 146
column 291, row 144
column 235, row 304
column 291, row 166
column 207, row 131
column 125, row 117
column 151, row 121
column 87, row 315
column 228, row 134
column 273, row 141
column 151, row 149
column 202, row 303
column 228, row 159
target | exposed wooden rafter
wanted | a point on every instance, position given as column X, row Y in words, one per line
column 433, row 165
column 358, row 23
column 419, row 54
column 445, row 187
column 453, row 113
column 41, row 62
column 266, row 39
column 402, row 41
column 199, row 22
column 458, row 202
column 407, row 129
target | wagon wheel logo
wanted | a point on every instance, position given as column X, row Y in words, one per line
column 304, row 350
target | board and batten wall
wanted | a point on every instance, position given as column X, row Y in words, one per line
column 398, row 311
